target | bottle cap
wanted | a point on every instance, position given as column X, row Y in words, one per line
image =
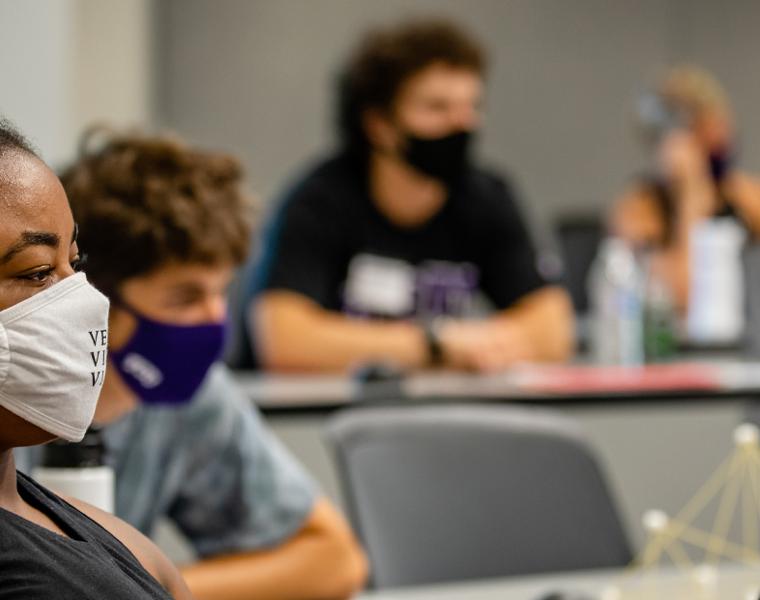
column 90, row 452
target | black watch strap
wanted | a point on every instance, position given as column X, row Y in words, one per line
column 433, row 342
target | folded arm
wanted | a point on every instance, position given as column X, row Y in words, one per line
column 295, row 333
column 322, row 561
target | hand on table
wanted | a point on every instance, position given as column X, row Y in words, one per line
column 485, row 346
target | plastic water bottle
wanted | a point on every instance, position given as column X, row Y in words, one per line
column 79, row 470
column 616, row 293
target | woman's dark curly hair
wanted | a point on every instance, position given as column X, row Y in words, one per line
column 144, row 202
column 12, row 140
column 387, row 57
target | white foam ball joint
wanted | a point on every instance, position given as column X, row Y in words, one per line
column 752, row 593
column 613, row 593
column 706, row 576
column 746, row 435
column 655, row 521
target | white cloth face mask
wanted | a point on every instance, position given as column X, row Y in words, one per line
column 53, row 349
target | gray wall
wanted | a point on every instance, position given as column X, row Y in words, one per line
column 39, row 104
column 255, row 76
column 67, row 63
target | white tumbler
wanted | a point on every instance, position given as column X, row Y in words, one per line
column 78, row 470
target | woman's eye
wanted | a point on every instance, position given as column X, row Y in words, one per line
column 43, row 275
column 38, row 276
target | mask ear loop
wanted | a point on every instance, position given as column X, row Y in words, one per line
column 118, row 302
column 140, row 319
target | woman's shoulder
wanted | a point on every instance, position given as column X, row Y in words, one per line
column 152, row 559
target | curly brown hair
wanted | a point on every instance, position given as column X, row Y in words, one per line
column 143, row 202
column 387, row 57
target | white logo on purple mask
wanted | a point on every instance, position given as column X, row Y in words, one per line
column 143, row 370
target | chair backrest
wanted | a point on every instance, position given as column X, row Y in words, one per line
column 443, row 493
column 578, row 238
column 238, row 353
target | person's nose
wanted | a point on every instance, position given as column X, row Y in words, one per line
column 215, row 309
column 465, row 117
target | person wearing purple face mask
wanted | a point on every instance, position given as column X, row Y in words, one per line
column 164, row 226
column 688, row 124
column 384, row 251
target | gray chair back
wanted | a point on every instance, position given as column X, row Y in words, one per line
column 751, row 264
column 444, row 493
column 578, row 237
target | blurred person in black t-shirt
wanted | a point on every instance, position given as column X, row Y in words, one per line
column 379, row 253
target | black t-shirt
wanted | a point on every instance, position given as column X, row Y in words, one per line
column 89, row 564
column 329, row 242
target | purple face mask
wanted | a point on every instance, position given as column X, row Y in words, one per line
column 166, row 364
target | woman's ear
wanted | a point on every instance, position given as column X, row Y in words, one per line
column 381, row 133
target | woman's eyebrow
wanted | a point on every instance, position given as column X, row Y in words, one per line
column 28, row 239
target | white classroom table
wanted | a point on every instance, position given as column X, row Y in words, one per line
column 730, row 583
column 699, row 379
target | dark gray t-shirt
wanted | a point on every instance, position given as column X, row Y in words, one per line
column 87, row 564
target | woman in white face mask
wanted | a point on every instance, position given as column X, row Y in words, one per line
column 53, row 339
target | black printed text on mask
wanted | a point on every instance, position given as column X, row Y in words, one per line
column 99, row 339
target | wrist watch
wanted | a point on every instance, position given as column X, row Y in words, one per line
column 433, row 342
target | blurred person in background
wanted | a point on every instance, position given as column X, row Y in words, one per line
column 164, row 225
column 379, row 252
column 689, row 126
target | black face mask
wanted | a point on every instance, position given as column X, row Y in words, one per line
column 721, row 162
column 443, row 158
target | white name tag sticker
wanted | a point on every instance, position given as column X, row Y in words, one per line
column 381, row 286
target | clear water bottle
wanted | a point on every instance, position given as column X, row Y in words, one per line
column 616, row 295
column 78, row 470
